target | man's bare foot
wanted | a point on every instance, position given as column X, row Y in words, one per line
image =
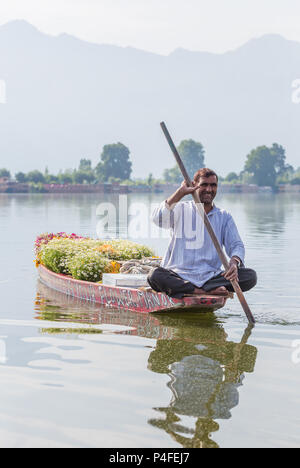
column 199, row 291
column 222, row 291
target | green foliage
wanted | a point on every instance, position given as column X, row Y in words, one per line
column 65, row 178
column 114, row 180
column 296, row 177
column 58, row 252
column 150, row 180
column 286, row 176
column 232, row 176
column 35, row 177
column 85, row 174
column 85, row 165
column 172, row 176
column 88, row 259
column 114, row 163
column 21, row 177
column 89, row 266
column 5, row 173
column 192, row 154
column 266, row 164
column 54, row 259
column 246, row 177
column 51, row 179
column 71, row 331
column 278, row 153
column 126, row 250
column 37, row 187
column 295, row 181
column 55, row 256
column 80, row 177
column 135, row 183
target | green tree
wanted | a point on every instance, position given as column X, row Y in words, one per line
column 266, row 164
column 150, row 180
column 279, row 155
column 295, row 181
column 85, row 165
column 286, row 175
column 193, row 155
column 37, row 187
column 82, row 177
column 65, row 178
column 232, row 176
column 51, row 178
column 85, row 173
column 246, row 177
column 172, row 176
column 36, row 177
column 114, row 180
column 20, row 177
column 5, row 173
column 114, row 163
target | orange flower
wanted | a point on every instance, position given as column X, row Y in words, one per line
column 106, row 249
column 115, row 267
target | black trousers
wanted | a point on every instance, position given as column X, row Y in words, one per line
column 170, row 283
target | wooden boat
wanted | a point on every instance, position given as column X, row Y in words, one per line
column 138, row 300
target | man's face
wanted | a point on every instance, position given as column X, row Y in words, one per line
column 208, row 189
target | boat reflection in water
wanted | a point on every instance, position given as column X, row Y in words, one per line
column 205, row 369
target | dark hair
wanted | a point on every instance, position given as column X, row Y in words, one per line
column 205, row 172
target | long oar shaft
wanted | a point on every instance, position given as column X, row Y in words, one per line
column 208, row 226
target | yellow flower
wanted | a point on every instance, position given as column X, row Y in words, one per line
column 115, row 267
column 107, row 250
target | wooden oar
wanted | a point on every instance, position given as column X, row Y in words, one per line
column 208, row 226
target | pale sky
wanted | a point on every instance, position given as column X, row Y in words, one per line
column 160, row 25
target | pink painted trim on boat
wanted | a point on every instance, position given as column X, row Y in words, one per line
column 127, row 298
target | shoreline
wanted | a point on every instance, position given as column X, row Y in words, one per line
column 15, row 188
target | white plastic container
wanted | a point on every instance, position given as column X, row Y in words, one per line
column 123, row 280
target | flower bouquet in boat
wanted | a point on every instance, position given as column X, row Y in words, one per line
column 110, row 272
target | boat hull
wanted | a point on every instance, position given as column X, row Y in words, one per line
column 128, row 298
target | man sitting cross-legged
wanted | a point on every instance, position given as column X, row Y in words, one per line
column 191, row 264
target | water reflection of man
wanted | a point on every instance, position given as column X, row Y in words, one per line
column 206, row 372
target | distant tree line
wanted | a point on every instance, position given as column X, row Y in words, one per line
column 114, row 165
column 264, row 166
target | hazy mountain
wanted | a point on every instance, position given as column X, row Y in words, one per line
column 66, row 98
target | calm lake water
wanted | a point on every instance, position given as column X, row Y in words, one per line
column 77, row 375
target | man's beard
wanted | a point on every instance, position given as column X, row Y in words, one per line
column 207, row 200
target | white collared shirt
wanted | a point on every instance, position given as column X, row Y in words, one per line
column 191, row 253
